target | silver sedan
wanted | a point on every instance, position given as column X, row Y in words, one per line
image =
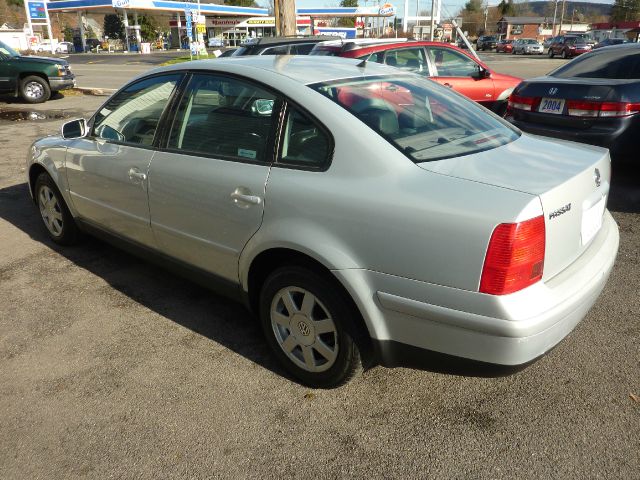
column 360, row 211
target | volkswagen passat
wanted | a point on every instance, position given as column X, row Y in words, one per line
column 359, row 210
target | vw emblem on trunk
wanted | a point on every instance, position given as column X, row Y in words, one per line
column 553, row 91
column 596, row 177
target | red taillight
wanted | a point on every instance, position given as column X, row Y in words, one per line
column 580, row 108
column 515, row 257
column 523, row 103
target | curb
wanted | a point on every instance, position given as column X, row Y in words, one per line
column 95, row 91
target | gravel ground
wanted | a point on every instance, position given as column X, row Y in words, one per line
column 111, row 367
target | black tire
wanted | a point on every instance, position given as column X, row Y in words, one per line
column 34, row 89
column 329, row 302
column 550, row 53
column 65, row 231
column 564, row 54
column 501, row 109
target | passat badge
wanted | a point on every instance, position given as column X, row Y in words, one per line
column 596, row 177
column 560, row 211
column 553, row 91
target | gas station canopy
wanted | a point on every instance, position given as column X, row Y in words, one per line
column 108, row 6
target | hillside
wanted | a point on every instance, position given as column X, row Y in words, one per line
column 586, row 9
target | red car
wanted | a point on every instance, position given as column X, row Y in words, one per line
column 444, row 63
column 567, row 46
column 504, row 46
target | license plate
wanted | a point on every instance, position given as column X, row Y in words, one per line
column 592, row 220
column 551, row 105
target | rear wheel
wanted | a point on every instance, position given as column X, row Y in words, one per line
column 57, row 219
column 309, row 325
column 34, row 89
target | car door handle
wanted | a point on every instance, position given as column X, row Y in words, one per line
column 244, row 198
column 137, row 175
column 448, row 85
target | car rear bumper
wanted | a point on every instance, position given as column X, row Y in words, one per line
column 506, row 330
column 62, row 83
column 617, row 134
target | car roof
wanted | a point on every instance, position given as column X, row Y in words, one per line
column 301, row 68
column 264, row 41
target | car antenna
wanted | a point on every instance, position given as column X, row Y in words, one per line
column 362, row 64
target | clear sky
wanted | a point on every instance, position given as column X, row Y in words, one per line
column 449, row 7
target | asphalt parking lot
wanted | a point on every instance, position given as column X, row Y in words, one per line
column 112, row 367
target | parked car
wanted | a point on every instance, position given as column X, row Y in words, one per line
column 442, row 62
column 301, row 45
column 33, row 78
column 504, row 46
column 215, row 42
column 357, row 210
column 594, row 99
column 527, row 46
column 44, row 46
column 568, row 46
column 487, row 42
column 65, row 47
column 607, row 42
column 585, row 37
column 227, row 53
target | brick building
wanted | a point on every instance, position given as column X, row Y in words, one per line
column 539, row 28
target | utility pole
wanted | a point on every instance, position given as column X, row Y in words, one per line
column 555, row 11
column 276, row 16
column 285, row 17
column 433, row 10
column 486, row 14
column 561, row 17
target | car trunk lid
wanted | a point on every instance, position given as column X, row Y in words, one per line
column 571, row 181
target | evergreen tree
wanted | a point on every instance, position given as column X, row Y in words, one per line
column 625, row 10
column 506, row 9
column 348, row 21
column 113, row 27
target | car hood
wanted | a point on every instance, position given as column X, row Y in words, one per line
column 47, row 60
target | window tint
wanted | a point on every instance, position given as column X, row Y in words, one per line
column 281, row 50
column 450, row 63
column 407, row 58
column 622, row 64
column 132, row 116
column 302, row 49
column 304, row 143
column 223, row 117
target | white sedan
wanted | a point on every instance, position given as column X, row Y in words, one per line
column 360, row 211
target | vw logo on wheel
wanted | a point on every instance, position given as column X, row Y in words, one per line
column 304, row 328
column 553, row 91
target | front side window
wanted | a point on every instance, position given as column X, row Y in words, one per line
column 408, row 58
column 422, row 120
column 224, row 117
column 304, row 143
column 450, row 63
column 132, row 116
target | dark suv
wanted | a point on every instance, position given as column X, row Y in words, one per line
column 279, row 45
column 32, row 78
column 568, row 46
column 487, row 42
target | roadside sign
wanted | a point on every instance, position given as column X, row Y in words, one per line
column 187, row 16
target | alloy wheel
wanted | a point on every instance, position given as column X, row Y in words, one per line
column 304, row 329
column 34, row 90
column 50, row 211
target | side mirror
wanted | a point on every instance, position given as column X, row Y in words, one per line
column 263, row 106
column 482, row 73
column 75, row 129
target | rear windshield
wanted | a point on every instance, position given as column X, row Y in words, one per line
column 622, row 63
column 420, row 118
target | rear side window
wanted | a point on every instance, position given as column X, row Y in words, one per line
column 281, row 50
column 412, row 59
column 302, row 49
column 304, row 142
column 621, row 64
column 224, row 117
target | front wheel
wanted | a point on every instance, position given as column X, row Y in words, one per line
column 34, row 89
column 57, row 219
column 550, row 53
column 310, row 326
column 564, row 54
